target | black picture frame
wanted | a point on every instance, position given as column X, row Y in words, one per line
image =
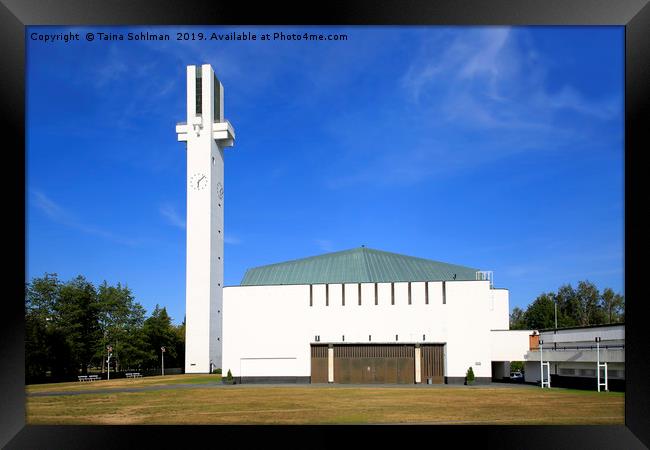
column 634, row 15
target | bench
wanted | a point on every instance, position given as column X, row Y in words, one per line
column 83, row 377
column 133, row 375
column 93, row 378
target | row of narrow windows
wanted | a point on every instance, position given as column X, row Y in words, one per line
column 317, row 338
column 392, row 294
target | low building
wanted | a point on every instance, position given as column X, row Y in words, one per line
column 573, row 355
column 367, row 316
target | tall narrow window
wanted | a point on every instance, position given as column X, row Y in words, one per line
column 327, row 295
column 409, row 292
column 426, row 293
column 343, row 294
column 311, row 295
column 392, row 293
column 369, row 337
column 444, row 292
column 396, row 338
column 376, row 295
column 217, row 100
column 199, row 91
column 359, row 294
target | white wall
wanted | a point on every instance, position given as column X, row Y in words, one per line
column 277, row 322
column 500, row 309
column 509, row 345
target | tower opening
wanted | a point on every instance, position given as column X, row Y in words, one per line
column 199, row 91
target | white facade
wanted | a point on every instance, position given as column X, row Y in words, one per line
column 509, row 345
column 267, row 330
column 206, row 134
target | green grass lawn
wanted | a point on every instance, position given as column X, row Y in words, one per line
column 123, row 382
column 319, row 404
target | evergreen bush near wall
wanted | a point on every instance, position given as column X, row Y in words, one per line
column 470, row 376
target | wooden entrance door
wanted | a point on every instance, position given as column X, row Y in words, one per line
column 432, row 363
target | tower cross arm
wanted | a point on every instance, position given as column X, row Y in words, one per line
column 224, row 133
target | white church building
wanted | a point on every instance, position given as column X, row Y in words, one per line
column 368, row 316
column 355, row 316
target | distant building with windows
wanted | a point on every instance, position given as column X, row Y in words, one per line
column 573, row 355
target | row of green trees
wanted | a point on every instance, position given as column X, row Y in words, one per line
column 68, row 326
column 582, row 306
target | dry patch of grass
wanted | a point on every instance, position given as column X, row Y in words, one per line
column 331, row 405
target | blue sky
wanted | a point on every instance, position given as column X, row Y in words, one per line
column 498, row 148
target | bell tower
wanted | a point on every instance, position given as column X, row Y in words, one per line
column 206, row 134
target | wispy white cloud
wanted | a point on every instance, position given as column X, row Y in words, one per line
column 473, row 97
column 494, row 78
column 231, row 239
column 60, row 215
column 172, row 216
column 114, row 68
column 325, row 245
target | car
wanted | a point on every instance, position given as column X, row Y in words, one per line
column 516, row 376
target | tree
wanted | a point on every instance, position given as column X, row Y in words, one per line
column 567, row 306
column 121, row 320
column 180, row 345
column 588, row 297
column 77, row 318
column 541, row 313
column 40, row 297
column 517, row 319
column 613, row 305
column 159, row 332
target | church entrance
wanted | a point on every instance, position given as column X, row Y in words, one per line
column 365, row 363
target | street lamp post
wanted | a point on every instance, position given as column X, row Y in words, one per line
column 109, row 348
column 162, row 354
column 555, row 313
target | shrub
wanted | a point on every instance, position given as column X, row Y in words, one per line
column 217, row 371
column 229, row 376
column 470, row 376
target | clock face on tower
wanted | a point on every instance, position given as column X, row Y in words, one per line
column 220, row 191
column 198, row 181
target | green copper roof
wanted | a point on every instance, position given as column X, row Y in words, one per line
column 358, row 265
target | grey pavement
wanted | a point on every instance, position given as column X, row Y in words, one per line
column 244, row 386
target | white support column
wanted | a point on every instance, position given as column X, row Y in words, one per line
column 330, row 364
column 418, row 370
column 598, row 362
column 541, row 363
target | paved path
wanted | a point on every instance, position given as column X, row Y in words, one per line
column 240, row 386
